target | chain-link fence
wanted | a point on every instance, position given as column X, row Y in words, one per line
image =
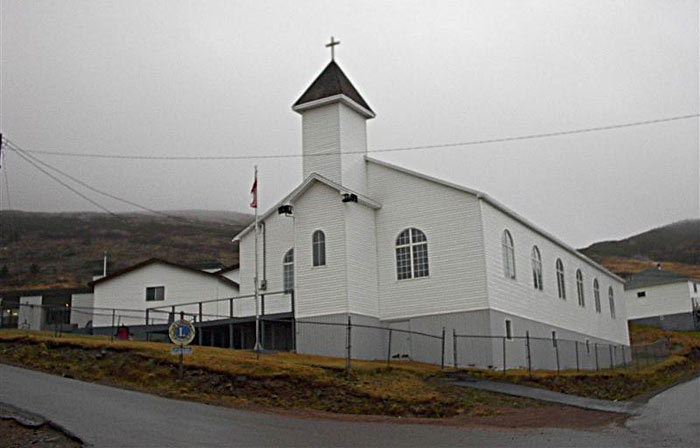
column 352, row 338
column 552, row 354
column 233, row 326
column 647, row 354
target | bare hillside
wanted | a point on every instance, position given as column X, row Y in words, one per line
column 65, row 249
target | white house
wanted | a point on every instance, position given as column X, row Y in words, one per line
column 159, row 285
column 398, row 249
column 664, row 300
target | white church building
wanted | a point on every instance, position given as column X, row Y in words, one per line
column 395, row 248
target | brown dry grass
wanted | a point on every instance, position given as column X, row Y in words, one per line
column 627, row 266
column 238, row 378
column 622, row 383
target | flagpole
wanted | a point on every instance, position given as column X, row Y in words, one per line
column 257, row 347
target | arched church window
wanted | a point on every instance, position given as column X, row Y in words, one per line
column 579, row 288
column 611, row 299
column 411, row 254
column 288, row 270
column 319, row 248
column 536, row 268
column 561, row 287
column 596, row 295
column 508, row 255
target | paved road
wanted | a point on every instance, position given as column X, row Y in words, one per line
column 106, row 416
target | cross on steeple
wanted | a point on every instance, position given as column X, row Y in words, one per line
column 332, row 45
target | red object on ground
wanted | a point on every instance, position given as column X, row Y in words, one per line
column 123, row 334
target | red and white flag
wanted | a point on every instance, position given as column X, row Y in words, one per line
column 254, row 192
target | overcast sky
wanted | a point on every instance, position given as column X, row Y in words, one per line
column 219, row 78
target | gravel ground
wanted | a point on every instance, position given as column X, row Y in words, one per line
column 14, row 435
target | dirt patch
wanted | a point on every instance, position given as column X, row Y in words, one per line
column 543, row 416
column 14, row 435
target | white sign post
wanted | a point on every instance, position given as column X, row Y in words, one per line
column 181, row 333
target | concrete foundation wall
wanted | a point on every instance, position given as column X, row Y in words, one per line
column 480, row 342
column 670, row 322
column 327, row 336
column 572, row 349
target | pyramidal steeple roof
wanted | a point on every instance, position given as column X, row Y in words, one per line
column 331, row 82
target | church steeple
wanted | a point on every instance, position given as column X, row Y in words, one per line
column 334, row 130
column 330, row 86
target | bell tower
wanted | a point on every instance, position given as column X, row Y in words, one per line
column 334, row 128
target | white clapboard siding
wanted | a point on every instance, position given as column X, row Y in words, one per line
column 353, row 143
column 519, row 297
column 322, row 289
column 660, row 300
column 320, row 132
column 361, row 252
column 450, row 220
column 128, row 291
column 278, row 235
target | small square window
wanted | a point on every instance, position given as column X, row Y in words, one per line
column 642, row 294
column 155, row 293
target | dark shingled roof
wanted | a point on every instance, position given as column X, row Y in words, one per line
column 332, row 81
column 653, row 277
column 165, row 262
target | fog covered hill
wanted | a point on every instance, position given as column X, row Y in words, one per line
column 65, row 249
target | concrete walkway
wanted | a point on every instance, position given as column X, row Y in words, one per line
column 619, row 407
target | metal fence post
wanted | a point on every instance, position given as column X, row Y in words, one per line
column 388, row 353
column 529, row 359
column 294, row 323
column 610, row 348
column 112, row 332
column 646, row 354
column 349, row 337
column 595, row 347
column 454, row 348
column 504, row 355
column 556, row 350
column 147, row 312
column 442, row 357
column 230, row 307
column 577, row 363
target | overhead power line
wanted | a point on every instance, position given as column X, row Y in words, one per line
column 56, row 179
column 24, row 153
column 397, row 149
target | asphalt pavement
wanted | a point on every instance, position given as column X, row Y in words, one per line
column 106, row 417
